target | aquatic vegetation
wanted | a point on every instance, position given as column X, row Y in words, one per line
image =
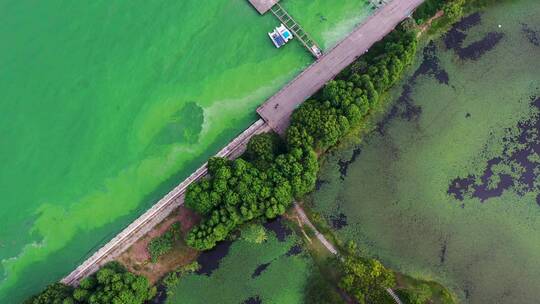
column 249, row 272
column 461, row 124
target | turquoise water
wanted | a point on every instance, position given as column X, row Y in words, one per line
column 108, row 104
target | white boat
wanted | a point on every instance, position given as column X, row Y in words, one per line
column 280, row 36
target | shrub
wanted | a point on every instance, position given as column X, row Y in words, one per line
column 172, row 279
column 164, row 243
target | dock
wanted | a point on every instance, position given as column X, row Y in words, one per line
column 277, row 110
column 263, row 6
column 293, row 26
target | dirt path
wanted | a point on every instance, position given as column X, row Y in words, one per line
column 319, row 235
column 304, row 218
column 424, row 27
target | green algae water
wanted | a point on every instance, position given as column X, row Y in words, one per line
column 105, row 105
column 275, row 270
column 446, row 187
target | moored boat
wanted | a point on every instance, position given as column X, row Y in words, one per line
column 280, row 36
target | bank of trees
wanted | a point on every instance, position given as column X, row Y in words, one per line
column 343, row 103
column 239, row 191
column 112, row 284
column 56, row 293
column 272, row 173
column 364, row 279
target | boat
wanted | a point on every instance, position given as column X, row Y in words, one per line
column 280, row 36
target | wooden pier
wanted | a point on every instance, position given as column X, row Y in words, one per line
column 297, row 30
column 263, row 6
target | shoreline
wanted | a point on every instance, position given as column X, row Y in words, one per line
column 155, row 215
column 346, row 51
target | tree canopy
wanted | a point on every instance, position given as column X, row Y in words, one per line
column 364, row 279
column 242, row 192
column 114, row 285
column 321, row 122
column 56, row 293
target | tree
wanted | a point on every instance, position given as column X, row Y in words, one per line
column 420, row 295
column 263, row 148
column 56, row 293
column 365, row 279
column 453, row 9
column 113, row 284
column 254, row 234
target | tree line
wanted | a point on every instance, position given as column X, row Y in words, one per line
column 343, row 103
column 261, row 185
column 112, row 284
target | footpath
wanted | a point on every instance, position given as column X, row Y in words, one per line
column 305, row 219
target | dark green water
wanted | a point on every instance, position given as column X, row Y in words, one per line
column 274, row 271
column 106, row 105
column 460, row 124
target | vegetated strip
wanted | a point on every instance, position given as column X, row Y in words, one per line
column 159, row 211
column 278, row 109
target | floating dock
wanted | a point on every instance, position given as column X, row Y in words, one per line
column 286, row 19
column 263, row 6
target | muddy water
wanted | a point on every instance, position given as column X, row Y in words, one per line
column 446, row 187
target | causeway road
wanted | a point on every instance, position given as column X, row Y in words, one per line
column 153, row 216
column 277, row 110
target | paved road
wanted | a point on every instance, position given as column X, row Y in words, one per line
column 277, row 110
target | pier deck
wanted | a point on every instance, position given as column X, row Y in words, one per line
column 306, row 40
column 262, row 6
column 277, row 110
